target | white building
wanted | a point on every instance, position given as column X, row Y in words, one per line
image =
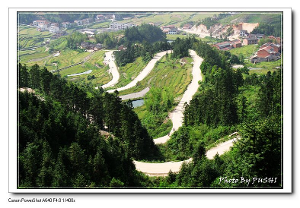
column 120, row 26
column 53, row 29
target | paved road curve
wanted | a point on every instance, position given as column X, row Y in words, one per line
column 177, row 114
column 144, row 73
column 109, row 59
column 135, row 95
column 163, row 169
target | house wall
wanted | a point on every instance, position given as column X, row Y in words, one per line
column 262, row 53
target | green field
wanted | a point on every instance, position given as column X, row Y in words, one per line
column 167, row 72
column 252, row 17
column 99, row 71
column 247, row 51
column 130, row 71
column 264, row 67
column 170, row 18
column 30, row 37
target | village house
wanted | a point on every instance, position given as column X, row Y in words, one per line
column 259, row 36
column 120, row 26
column 36, row 23
column 227, row 45
column 83, row 22
column 99, row 18
column 53, row 28
column 41, row 25
column 89, row 32
column 250, row 40
column 65, row 24
column 122, row 48
column 277, row 39
column 243, row 33
column 78, row 22
column 87, row 21
column 58, row 34
column 187, row 26
column 224, row 46
column 91, row 46
column 170, row 29
column 236, row 43
column 267, row 52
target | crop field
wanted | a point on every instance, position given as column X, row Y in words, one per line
column 30, row 38
column 171, row 18
column 130, row 71
column 66, row 58
column 247, row 51
column 167, row 73
column 97, row 77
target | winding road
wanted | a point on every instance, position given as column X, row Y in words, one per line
column 144, row 73
column 109, row 59
column 163, row 169
column 176, row 115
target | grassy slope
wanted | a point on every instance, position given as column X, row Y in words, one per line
column 130, row 71
column 252, row 17
column 170, row 18
column 247, row 50
column 95, row 63
column 164, row 75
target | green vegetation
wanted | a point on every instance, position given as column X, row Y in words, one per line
column 59, row 135
column 29, row 38
column 208, row 22
column 246, row 51
column 75, row 39
column 66, row 58
column 184, row 141
column 254, row 105
column 72, row 135
column 109, row 40
column 171, row 76
column 138, row 42
column 167, row 72
column 130, row 71
column 269, row 29
column 252, row 17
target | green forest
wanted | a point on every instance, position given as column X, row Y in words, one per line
column 75, row 136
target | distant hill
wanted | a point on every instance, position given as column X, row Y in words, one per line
column 253, row 17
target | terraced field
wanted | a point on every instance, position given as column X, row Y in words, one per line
column 130, row 71
column 167, row 72
column 99, row 74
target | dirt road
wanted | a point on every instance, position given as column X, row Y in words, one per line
column 177, row 114
column 109, row 59
column 162, row 169
column 144, row 73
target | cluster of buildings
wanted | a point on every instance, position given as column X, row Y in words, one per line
column 91, row 46
column 43, row 25
column 120, row 26
column 227, row 45
column 267, row 52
